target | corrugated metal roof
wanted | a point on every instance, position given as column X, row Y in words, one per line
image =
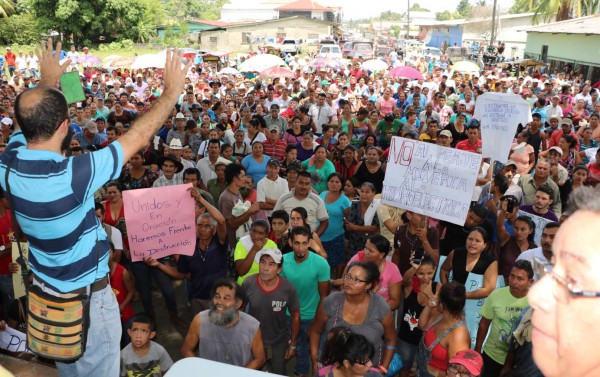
column 589, row 25
column 303, row 5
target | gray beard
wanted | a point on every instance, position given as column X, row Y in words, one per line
column 224, row 319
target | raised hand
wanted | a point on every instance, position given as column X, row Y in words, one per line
column 50, row 67
column 174, row 75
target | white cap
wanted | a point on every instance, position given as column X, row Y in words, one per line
column 175, row 144
column 6, row 121
column 273, row 252
column 179, row 116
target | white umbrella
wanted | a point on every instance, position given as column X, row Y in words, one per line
column 228, row 71
column 259, row 63
column 375, row 65
column 150, row 61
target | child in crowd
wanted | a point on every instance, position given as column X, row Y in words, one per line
column 143, row 357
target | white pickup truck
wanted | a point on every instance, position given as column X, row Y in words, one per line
column 290, row 46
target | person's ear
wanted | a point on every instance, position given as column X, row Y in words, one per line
column 238, row 303
column 152, row 334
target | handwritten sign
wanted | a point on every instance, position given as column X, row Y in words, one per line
column 429, row 179
column 18, row 283
column 160, row 221
column 13, row 340
column 500, row 114
column 540, row 224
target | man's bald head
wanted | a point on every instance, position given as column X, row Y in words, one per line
column 40, row 111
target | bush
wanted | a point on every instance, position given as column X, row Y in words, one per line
column 127, row 44
column 103, row 47
column 19, row 29
column 115, row 45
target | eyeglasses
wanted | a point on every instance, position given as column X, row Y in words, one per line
column 543, row 268
column 458, row 370
column 364, row 362
column 353, row 279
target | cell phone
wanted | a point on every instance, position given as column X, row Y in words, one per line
column 510, row 205
column 70, row 85
column 419, row 253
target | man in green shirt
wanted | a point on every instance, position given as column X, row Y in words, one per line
column 501, row 310
column 389, row 123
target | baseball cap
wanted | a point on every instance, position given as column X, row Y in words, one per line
column 273, row 128
column 273, row 252
column 274, row 107
column 511, row 162
column 175, row 144
column 567, row 121
column 556, row 149
column 90, row 125
column 274, row 161
column 6, row 121
column 179, row 116
column 446, row 133
column 469, row 359
column 139, row 75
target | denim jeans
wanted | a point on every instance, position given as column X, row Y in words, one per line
column 7, row 294
column 102, row 354
column 303, row 351
column 143, row 275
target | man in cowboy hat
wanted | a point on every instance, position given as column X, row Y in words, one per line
column 170, row 166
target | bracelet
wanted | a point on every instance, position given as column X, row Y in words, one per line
column 293, row 347
column 383, row 369
column 390, row 347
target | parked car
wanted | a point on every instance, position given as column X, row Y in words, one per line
column 290, row 46
column 347, row 49
column 330, row 51
column 362, row 50
column 431, row 52
column 383, row 51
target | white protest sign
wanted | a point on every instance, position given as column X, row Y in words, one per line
column 499, row 115
column 429, row 179
column 160, row 221
column 13, row 340
column 18, row 284
column 540, row 224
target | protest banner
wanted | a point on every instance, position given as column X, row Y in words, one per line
column 429, row 179
column 540, row 224
column 13, row 340
column 160, row 221
column 18, row 283
column 499, row 115
column 473, row 306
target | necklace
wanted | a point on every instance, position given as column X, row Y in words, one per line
column 202, row 251
column 227, row 355
column 412, row 242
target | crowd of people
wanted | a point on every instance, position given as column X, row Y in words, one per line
column 295, row 255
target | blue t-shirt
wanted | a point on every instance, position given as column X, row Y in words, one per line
column 306, row 277
column 53, row 197
column 254, row 169
column 336, row 216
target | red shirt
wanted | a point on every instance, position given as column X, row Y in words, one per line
column 465, row 146
column 275, row 150
column 555, row 138
column 10, row 58
column 119, row 289
column 5, row 229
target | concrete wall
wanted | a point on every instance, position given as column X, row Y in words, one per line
column 569, row 47
column 232, row 38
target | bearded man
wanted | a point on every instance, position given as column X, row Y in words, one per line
column 228, row 335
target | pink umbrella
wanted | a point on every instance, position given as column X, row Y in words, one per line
column 406, row 72
column 274, row 72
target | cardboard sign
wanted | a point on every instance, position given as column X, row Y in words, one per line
column 429, row 179
column 18, row 283
column 160, row 221
column 13, row 340
column 500, row 115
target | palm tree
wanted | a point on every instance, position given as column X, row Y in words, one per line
column 564, row 9
column 7, row 7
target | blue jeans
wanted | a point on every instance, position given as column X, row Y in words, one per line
column 102, row 354
column 143, row 275
column 303, row 352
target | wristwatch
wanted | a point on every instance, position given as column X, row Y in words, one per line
column 2, row 247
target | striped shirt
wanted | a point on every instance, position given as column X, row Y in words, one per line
column 53, row 197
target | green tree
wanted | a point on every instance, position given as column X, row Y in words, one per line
column 19, row 29
column 463, row 8
column 7, row 7
column 198, row 9
column 444, row 16
column 563, row 9
column 417, row 8
column 86, row 21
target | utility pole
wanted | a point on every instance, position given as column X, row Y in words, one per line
column 408, row 19
column 494, row 24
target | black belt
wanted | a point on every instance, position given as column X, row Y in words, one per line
column 96, row 286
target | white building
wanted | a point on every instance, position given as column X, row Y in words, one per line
column 244, row 11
